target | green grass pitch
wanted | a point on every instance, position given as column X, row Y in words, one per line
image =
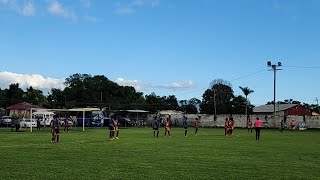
column 137, row 155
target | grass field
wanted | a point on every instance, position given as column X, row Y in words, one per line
column 137, row 155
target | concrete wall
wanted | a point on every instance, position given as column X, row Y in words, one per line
column 240, row 120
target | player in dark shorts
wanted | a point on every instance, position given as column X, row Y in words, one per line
column 111, row 129
column 196, row 125
column 66, row 124
column 38, row 124
column 53, row 134
column 155, row 126
column 185, row 126
column 56, row 125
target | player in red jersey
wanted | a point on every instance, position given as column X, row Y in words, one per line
column 167, row 128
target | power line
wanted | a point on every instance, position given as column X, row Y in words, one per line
column 248, row 75
column 304, row 67
column 230, row 81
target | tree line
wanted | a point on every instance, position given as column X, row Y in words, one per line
column 84, row 90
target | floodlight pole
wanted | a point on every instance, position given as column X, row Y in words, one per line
column 274, row 69
column 274, row 91
column 214, row 104
column 317, row 104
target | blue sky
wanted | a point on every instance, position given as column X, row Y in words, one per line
column 164, row 46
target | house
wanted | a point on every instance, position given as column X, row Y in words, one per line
column 286, row 112
column 20, row 109
column 282, row 110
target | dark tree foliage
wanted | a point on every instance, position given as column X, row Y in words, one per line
column 85, row 90
column 190, row 106
column 223, row 99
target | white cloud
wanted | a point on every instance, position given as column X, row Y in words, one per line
column 28, row 9
column 5, row 2
column 137, row 3
column 155, row 3
column 26, row 80
column 181, row 85
column 86, row 3
column 139, row 86
column 55, row 8
column 128, row 8
column 134, row 83
column 90, row 18
column 47, row 83
column 124, row 8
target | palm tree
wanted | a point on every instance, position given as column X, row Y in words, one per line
column 246, row 91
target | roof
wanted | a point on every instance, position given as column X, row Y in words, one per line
column 269, row 108
column 137, row 111
column 84, row 109
column 43, row 112
column 21, row 106
column 171, row 112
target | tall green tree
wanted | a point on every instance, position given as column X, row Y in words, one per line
column 219, row 94
column 14, row 94
column 246, row 91
column 35, row 96
column 155, row 103
column 86, row 90
column 238, row 105
column 171, row 102
column 190, row 106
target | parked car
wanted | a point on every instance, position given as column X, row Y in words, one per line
column 70, row 123
column 96, row 123
column 90, row 122
column 27, row 123
column 125, row 122
column 5, row 120
column 44, row 116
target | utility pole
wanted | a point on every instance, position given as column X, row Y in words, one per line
column 274, row 69
column 214, row 104
column 317, row 104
